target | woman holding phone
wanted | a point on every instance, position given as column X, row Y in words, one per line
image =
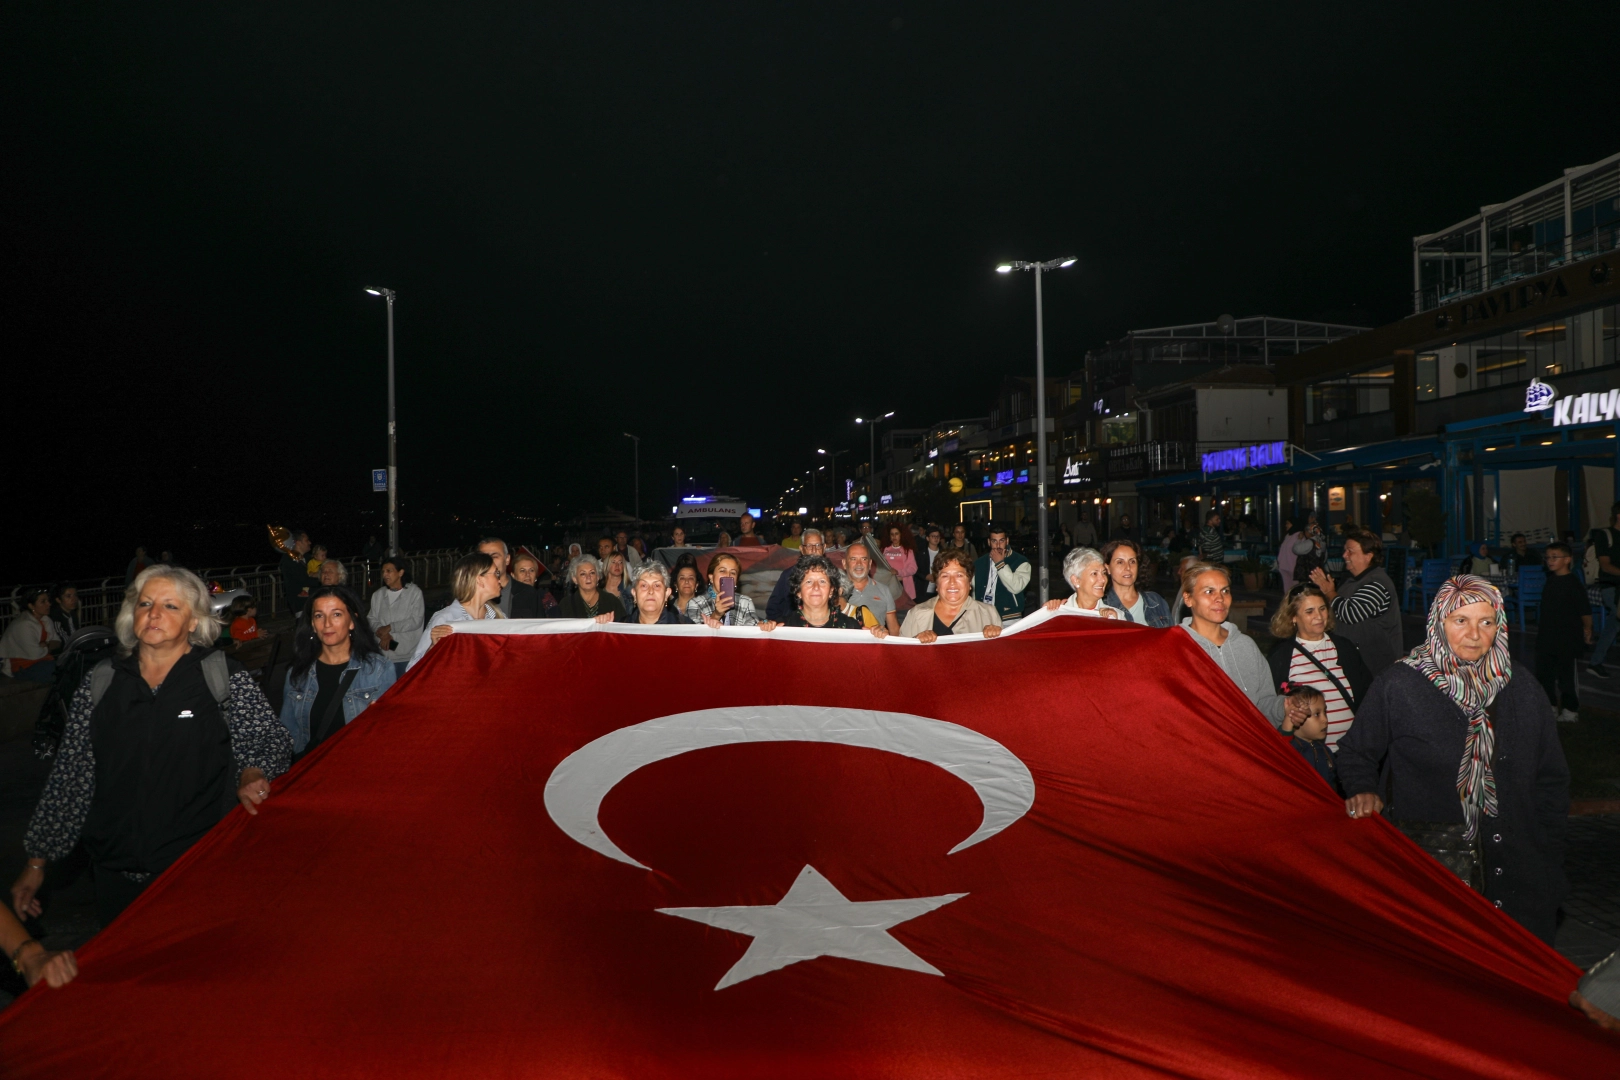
column 722, row 604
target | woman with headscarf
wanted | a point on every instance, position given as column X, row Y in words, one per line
column 1477, row 561
column 1463, row 742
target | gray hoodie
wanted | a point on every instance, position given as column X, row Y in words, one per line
column 1240, row 658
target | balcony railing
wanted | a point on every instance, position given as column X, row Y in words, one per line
column 100, row 598
column 1138, row 460
column 1504, row 269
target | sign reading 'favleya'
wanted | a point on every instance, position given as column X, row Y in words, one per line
column 1258, row 456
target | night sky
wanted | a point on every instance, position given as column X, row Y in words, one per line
column 727, row 228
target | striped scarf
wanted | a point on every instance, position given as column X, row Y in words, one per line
column 1473, row 686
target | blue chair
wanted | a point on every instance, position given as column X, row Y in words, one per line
column 1435, row 574
column 1532, row 579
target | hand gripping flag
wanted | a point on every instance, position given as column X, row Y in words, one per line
column 561, row 851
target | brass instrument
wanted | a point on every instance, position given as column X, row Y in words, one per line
column 281, row 540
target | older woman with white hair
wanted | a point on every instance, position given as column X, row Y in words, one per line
column 587, row 600
column 160, row 744
column 649, row 594
column 1087, row 574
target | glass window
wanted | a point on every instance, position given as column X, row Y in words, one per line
column 1428, row 377
column 1353, row 395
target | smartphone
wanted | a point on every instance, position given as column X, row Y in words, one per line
column 728, row 588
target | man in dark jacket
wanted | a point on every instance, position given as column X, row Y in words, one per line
column 295, row 579
column 777, row 608
column 1364, row 605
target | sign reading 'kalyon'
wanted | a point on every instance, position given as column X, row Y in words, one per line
column 1576, row 409
column 1258, row 456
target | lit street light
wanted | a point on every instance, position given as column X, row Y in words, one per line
column 871, row 464
column 637, row 440
column 676, row 469
column 832, row 472
column 393, row 455
column 1040, row 397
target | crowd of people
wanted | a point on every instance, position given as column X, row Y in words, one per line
column 1447, row 740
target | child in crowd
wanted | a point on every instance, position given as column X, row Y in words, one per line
column 1565, row 626
column 1310, row 737
column 244, row 619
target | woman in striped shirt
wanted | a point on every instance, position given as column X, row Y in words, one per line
column 1308, row 653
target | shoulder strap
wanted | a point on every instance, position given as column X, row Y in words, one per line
column 1349, row 698
column 344, row 682
column 218, row 676
column 101, row 677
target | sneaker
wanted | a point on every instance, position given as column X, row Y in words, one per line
column 1568, row 716
column 1597, row 671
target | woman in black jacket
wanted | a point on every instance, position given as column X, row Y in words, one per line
column 160, row 744
column 1309, row 653
column 1459, row 737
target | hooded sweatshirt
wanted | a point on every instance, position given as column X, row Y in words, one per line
column 1240, row 658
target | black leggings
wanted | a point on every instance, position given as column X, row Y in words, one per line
column 1555, row 668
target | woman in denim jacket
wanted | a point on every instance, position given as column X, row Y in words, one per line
column 1123, row 558
column 338, row 670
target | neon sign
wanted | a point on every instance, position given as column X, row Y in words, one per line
column 1258, row 456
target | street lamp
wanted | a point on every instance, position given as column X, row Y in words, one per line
column 871, row 464
column 1040, row 397
column 637, row 440
column 832, row 471
column 393, row 454
column 676, row 469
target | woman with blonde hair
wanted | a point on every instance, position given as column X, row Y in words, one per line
column 160, row 744
column 615, row 580
column 475, row 583
column 1309, row 653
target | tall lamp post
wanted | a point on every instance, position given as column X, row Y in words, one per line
column 1040, row 399
column 393, row 453
column 637, row 440
column 871, row 464
column 832, row 470
column 676, row 469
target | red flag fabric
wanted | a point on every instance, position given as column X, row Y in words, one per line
column 672, row 852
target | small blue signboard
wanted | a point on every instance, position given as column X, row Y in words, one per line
column 379, row 479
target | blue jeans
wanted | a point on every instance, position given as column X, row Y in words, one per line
column 399, row 668
column 1611, row 627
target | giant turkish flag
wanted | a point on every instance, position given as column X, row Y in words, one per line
column 648, row 852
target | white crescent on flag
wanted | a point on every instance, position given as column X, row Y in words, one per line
column 580, row 782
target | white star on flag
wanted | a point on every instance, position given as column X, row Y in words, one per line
column 815, row 919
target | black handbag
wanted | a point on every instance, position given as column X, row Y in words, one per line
column 1448, row 845
column 1447, row 842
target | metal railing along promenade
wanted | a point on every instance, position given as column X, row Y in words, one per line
column 100, row 598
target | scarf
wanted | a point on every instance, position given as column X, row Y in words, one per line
column 1473, row 686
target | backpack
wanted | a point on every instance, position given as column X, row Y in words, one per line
column 215, row 672
column 1589, row 561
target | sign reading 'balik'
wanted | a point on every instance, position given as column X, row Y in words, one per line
column 1258, row 456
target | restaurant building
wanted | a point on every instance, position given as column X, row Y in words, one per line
column 1500, row 394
